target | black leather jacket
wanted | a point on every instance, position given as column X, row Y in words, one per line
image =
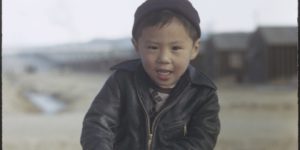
column 118, row 118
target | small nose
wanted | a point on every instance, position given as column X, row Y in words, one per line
column 164, row 57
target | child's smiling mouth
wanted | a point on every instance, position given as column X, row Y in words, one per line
column 163, row 74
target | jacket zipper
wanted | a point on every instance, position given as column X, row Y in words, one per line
column 148, row 129
column 150, row 141
column 152, row 132
column 184, row 130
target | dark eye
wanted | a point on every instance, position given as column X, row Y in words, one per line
column 152, row 47
column 175, row 48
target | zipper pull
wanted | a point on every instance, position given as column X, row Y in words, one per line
column 184, row 130
column 149, row 141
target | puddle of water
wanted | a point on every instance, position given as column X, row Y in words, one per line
column 46, row 103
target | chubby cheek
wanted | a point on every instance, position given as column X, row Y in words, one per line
column 148, row 63
column 180, row 68
column 182, row 63
column 147, row 59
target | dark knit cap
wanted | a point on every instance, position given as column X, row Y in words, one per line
column 183, row 7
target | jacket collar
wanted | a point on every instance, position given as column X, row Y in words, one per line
column 196, row 77
column 199, row 78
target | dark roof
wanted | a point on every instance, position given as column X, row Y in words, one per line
column 230, row 41
column 279, row 35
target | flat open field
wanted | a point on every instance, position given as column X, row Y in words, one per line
column 253, row 117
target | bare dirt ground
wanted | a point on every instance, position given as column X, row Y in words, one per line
column 253, row 117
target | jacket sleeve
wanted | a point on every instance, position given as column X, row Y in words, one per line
column 101, row 120
column 203, row 128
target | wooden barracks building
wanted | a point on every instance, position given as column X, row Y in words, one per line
column 267, row 54
column 225, row 54
column 272, row 54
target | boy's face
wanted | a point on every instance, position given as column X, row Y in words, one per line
column 166, row 52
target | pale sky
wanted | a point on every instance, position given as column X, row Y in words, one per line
column 46, row 22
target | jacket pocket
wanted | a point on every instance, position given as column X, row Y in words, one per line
column 176, row 130
column 175, row 125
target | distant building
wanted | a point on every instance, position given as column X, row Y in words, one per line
column 199, row 61
column 272, row 54
column 94, row 56
column 23, row 62
column 225, row 54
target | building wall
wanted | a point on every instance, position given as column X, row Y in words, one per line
column 211, row 61
column 231, row 63
column 255, row 60
column 282, row 62
column 267, row 61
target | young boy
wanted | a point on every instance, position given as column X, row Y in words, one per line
column 158, row 102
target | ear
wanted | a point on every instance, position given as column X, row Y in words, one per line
column 195, row 50
column 135, row 44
